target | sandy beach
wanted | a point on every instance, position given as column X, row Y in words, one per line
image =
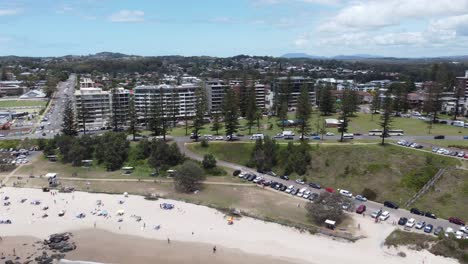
column 193, row 231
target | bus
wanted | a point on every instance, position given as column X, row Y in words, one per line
column 391, row 132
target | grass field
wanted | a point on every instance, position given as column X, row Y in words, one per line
column 449, row 195
column 386, row 170
column 22, row 103
column 361, row 123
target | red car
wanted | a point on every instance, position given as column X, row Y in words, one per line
column 330, row 190
column 456, row 221
column 361, row 209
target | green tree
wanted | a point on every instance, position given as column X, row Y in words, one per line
column 347, row 106
column 132, row 115
column 200, row 110
column 112, row 150
column 326, row 101
column 375, row 106
column 304, row 111
column 231, row 112
column 155, row 121
column 209, row 161
column 69, row 127
column 283, row 114
column 326, row 206
column 4, row 74
column 386, row 117
column 216, row 125
column 188, row 177
column 433, row 101
column 251, row 110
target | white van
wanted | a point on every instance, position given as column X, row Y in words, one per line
column 257, row 136
column 289, row 189
column 348, row 136
column 458, row 123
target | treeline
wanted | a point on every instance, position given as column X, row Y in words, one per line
column 267, row 155
column 111, row 150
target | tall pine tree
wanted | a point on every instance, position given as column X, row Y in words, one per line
column 326, row 101
column 69, row 123
column 386, row 117
column 231, row 112
column 200, row 110
column 251, row 110
column 304, row 111
column 132, row 115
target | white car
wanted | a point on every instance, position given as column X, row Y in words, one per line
column 306, row 195
column 300, row 181
column 329, row 134
column 242, row 174
column 219, row 138
column 375, row 213
column 384, row 216
column 459, row 235
column 464, row 229
column 448, row 231
column 258, row 179
column 420, row 225
column 411, row 222
column 289, row 189
column 346, row 193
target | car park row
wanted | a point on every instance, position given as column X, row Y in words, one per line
column 306, row 191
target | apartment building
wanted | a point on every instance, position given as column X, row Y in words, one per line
column 86, row 83
column 291, row 87
column 92, row 108
column 260, row 95
column 215, row 91
column 181, row 96
column 463, row 83
column 120, row 102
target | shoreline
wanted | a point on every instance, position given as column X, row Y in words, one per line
column 194, row 224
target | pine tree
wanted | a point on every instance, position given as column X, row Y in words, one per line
column 347, row 107
column 386, row 117
column 155, row 118
column 69, row 123
column 244, row 96
column 231, row 112
column 303, row 111
column 375, row 106
column 163, row 114
column 251, row 110
column 326, row 101
column 200, row 110
column 132, row 128
column 283, row 114
column 216, row 126
column 174, row 107
column 433, row 102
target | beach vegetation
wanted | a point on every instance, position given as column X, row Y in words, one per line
column 188, row 177
column 327, row 206
column 209, row 161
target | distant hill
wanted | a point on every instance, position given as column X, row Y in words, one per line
column 301, row 55
column 339, row 57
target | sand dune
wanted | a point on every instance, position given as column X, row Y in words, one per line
column 198, row 226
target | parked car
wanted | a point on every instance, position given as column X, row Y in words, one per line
column 289, row 189
column 315, row 185
column 330, row 190
column 416, row 211
column 313, row 196
column 384, row 216
column 361, row 209
column 449, row 231
column 315, row 138
column 346, row 193
column 360, row 198
column 376, row 214
column 430, row 215
column 411, row 222
column 420, row 225
column 283, row 188
column 439, row 137
column 456, row 220
column 295, row 191
column 428, row 228
column 329, row 134
column 465, row 137
column 438, row 230
column 402, row 221
column 391, row 204
column 300, row 181
column 284, row 177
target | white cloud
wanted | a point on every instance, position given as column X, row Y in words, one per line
column 274, row 2
column 454, row 24
column 372, row 14
column 302, row 40
column 9, row 12
column 128, row 16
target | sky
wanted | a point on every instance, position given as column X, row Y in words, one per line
column 400, row 28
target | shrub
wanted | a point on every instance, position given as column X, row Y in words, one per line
column 209, row 161
column 204, row 143
column 369, row 194
column 188, row 177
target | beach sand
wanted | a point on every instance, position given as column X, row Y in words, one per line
column 196, row 228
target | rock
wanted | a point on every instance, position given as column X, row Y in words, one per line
column 402, row 254
column 9, row 262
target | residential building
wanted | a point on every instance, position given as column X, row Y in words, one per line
column 293, row 85
column 260, row 95
column 12, row 88
column 92, row 108
column 86, row 83
column 215, row 90
column 463, row 83
column 120, row 102
column 182, row 96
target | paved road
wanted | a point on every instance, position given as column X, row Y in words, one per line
column 372, row 206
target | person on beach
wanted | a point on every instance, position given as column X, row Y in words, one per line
column 214, row 249
column 168, row 241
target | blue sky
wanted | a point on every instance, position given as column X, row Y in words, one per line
column 404, row 28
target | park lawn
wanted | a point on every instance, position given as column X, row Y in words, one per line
column 381, row 169
column 448, row 197
column 22, row 103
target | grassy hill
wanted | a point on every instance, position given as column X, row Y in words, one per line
column 394, row 173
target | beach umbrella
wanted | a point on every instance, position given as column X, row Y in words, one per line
column 121, row 212
column 125, row 194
